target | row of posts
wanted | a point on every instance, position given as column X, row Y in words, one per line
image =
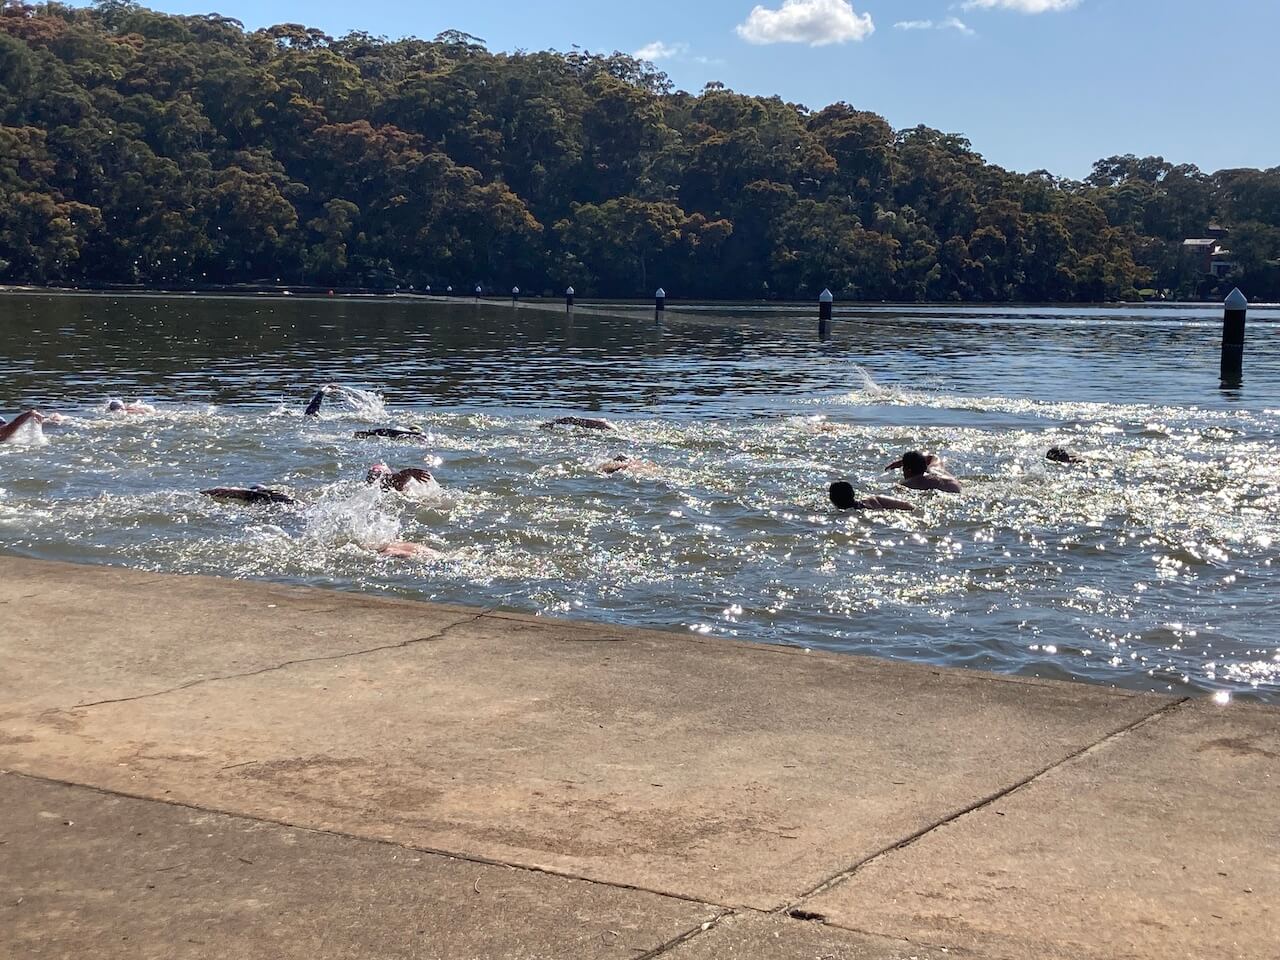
column 1233, row 324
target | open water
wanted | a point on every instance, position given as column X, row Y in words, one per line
column 1152, row 566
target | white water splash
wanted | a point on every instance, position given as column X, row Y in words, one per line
column 360, row 518
column 365, row 404
column 30, row 434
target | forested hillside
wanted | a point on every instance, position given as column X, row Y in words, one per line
column 137, row 147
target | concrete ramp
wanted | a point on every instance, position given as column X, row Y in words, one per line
column 619, row 780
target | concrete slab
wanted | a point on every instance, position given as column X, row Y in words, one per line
column 723, row 772
column 771, row 937
column 148, row 632
column 1161, row 843
column 84, row 874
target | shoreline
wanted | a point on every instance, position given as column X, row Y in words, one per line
column 304, row 292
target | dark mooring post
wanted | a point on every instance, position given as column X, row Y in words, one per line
column 477, row 293
column 825, row 301
column 1233, row 339
column 515, row 295
column 659, row 304
column 568, row 300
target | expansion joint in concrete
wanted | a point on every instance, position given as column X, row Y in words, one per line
column 685, row 937
column 795, row 908
column 364, row 651
column 378, row 841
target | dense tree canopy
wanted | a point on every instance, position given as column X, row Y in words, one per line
column 138, row 147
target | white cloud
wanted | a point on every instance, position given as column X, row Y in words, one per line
column 1022, row 6
column 951, row 23
column 815, row 22
column 660, row 51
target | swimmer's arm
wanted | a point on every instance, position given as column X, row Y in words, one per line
column 9, row 429
column 932, row 460
column 402, row 477
column 313, row 408
column 883, row 503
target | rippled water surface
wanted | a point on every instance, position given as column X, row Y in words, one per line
column 1151, row 566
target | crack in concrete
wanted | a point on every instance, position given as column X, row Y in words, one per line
column 357, row 838
column 685, row 937
column 847, row 873
column 438, row 635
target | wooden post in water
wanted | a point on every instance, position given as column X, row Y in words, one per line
column 1233, row 339
column 515, row 295
column 825, row 302
column 448, row 291
column 477, row 293
column 659, row 304
column 568, row 300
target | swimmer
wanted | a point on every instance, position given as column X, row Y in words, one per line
column 585, row 423
column 620, row 463
column 254, row 494
column 924, row 472
column 8, row 430
column 406, row 550
column 841, row 493
column 1063, row 455
column 135, row 409
column 397, row 480
column 390, row 433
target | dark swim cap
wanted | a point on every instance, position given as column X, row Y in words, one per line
column 841, row 493
column 914, row 463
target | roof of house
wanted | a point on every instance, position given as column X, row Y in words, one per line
column 1199, row 242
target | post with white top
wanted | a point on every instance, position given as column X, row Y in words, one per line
column 477, row 293
column 1233, row 339
column 448, row 291
column 568, row 300
column 515, row 296
column 825, row 302
column 659, row 304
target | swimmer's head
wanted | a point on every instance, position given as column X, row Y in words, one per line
column 842, row 497
column 376, row 473
column 914, row 463
column 1060, row 455
column 115, row 406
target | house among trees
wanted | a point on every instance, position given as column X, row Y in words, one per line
column 1207, row 254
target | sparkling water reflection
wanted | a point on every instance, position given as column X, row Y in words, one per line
column 1150, row 566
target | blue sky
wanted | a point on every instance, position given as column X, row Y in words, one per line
column 1052, row 84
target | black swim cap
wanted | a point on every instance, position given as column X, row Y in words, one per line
column 914, row 463
column 841, row 493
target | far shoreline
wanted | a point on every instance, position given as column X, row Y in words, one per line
column 366, row 294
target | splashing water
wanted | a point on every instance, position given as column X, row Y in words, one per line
column 30, row 434
column 360, row 518
column 366, row 405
